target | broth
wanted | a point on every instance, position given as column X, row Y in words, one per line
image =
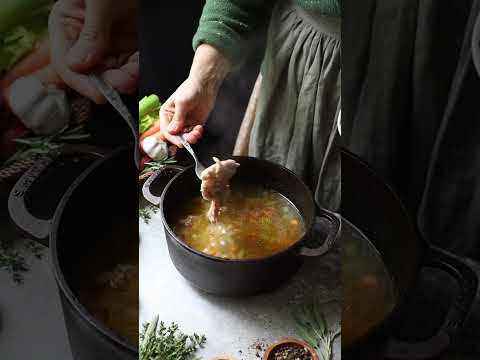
column 253, row 223
column 109, row 284
column 368, row 293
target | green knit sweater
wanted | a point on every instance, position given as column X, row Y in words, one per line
column 228, row 24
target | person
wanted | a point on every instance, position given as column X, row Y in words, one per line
column 418, row 126
column 95, row 36
column 296, row 99
column 411, row 110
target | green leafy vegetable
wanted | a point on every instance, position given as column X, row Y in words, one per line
column 22, row 24
column 159, row 342
column 148, row 110
column 312, row 327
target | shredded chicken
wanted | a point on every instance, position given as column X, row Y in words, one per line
column 216, row 184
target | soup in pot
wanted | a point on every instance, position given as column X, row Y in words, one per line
column 252, row 223
column 108, row 286
column 368, row 293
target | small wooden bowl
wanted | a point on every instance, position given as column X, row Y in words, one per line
column 286, row 341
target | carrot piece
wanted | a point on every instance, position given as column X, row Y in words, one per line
column 37, row 59
column 151, row 130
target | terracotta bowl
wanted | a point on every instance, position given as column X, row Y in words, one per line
column 287, row 341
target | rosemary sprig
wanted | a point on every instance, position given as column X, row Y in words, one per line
column 38, row 145
column 153, row 166
column 157, row 165
column 159, row 342
column 312, row 327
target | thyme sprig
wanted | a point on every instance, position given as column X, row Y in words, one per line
column 159, row 342
column 14, row 262
column 146, row 212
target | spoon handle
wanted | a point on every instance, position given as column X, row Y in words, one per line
column 198, row 165
column 116, row 101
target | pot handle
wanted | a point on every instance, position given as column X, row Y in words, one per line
column 34, row 227
column 165, row 174
column 324, row 219
column 456, row 319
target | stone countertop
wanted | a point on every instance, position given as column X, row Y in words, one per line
column 233, row 326
column 31, row 317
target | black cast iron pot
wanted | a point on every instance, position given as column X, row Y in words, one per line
column 88, row 193
column 241, row 277
column 375, row 209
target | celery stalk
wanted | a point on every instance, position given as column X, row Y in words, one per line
column 18, row 12
column 148, row 104
column 148, row 109
column 22, row 23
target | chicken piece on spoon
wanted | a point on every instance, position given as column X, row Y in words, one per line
column 216, row 184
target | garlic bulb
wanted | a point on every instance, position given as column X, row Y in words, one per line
column 44, row 110
column 155, row 148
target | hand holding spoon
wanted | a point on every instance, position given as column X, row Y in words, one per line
column 199, row 167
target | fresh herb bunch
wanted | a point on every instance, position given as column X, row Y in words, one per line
column 312, row 327
column 38, row 145
column 14, row 262
column 146, row 212
column 152, row 166
column 159, row 342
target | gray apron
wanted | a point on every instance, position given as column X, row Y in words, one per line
column 293, row 112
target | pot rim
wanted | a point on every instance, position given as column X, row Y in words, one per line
column 381, row 329
column 99, row 327
column 290, row 340
column 380, row 325
column 272, row 257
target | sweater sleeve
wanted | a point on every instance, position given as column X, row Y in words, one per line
column 228, row 24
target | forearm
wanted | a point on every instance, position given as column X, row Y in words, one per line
column 209, row 67
column 229, row 24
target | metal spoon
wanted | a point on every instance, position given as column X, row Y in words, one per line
column 114, row 98
column 199, row 167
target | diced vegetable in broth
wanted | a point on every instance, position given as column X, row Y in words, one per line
column 252, row 223
column 112, row 299
column 368, row 294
